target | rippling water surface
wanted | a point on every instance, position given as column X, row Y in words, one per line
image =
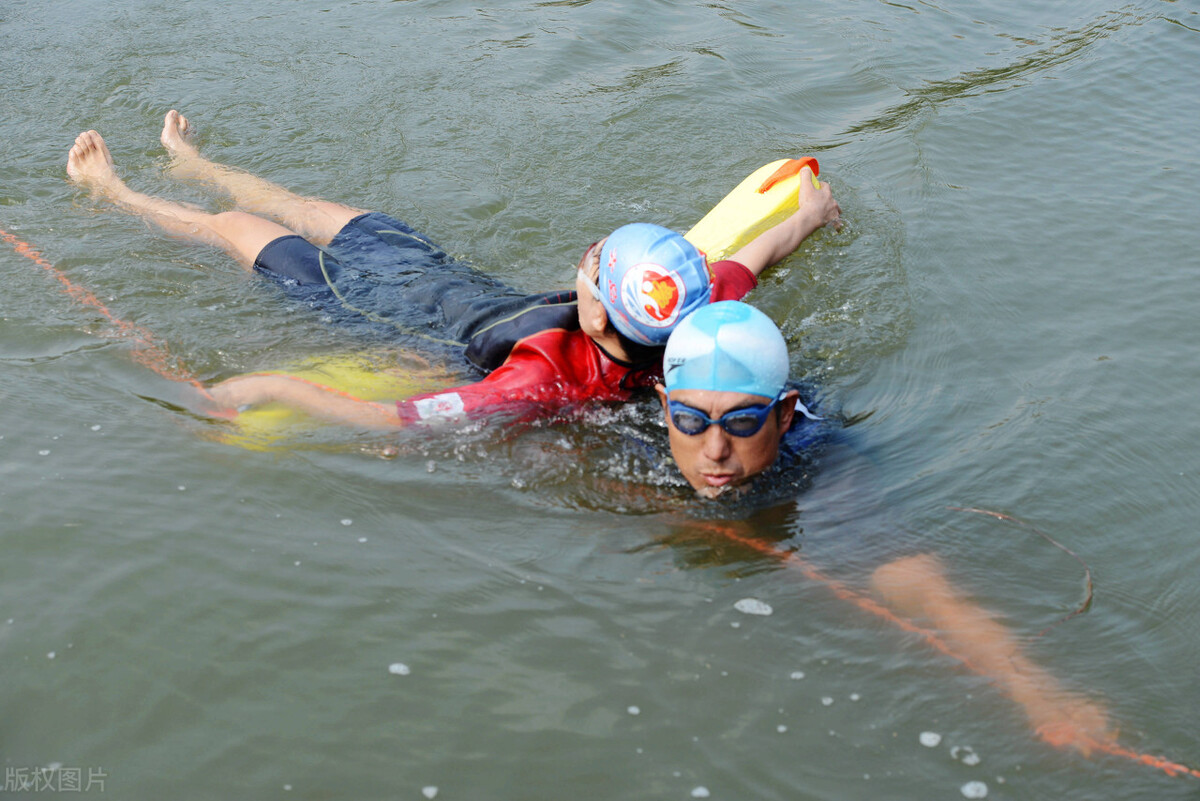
column 1008, row 317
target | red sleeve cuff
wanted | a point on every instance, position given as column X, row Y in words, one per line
column 732, row 280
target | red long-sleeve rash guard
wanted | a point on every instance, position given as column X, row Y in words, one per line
column 557, row 367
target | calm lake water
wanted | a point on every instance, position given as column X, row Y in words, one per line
column 1008, row 317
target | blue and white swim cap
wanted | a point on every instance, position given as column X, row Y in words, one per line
column 727, row 347
column 650, row 279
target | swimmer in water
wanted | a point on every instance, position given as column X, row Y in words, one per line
column 540, row 352
column 728, row 407
column 725, row 396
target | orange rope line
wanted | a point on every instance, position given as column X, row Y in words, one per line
column 845, row 593
column 148, row 353
column 867, row 604
column 1161, row 763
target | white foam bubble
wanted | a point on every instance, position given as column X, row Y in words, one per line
column 399, row 669
column 700, row 792
column 753, row 606
column 827, row 701
column 797, row 674
column 347, row 521
column 965, row 754
column 974, row 790
column 930, row 739
column 429, row 792
column 633, row 710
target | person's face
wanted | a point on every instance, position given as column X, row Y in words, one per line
column 587, row 275
column 714, row 461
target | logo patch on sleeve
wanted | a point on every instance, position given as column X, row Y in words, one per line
column 448, row 404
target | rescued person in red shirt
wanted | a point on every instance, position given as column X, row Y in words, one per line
column 537, row 353
column 728, row 407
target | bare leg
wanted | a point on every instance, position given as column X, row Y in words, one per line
column 242, row 235
column 314, row 219
column 917, row 587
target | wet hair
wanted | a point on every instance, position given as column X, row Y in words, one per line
column 639, row 355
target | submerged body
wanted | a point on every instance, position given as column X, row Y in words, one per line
column 728, row 408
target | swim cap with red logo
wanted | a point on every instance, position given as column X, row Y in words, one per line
column 650, row 279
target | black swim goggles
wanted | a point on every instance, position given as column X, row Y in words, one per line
column 743, row 422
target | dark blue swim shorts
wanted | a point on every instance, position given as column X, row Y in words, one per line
column 383, row 279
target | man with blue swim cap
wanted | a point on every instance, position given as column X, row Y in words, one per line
column 725, row 395
column 728, row 407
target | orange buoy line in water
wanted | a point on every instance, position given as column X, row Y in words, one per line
column 864, row 602
column 149, row 352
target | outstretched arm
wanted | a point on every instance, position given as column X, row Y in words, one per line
column 816, row 208
column 917, row 587
column 312, row 399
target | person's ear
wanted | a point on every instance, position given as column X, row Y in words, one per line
column 787, row 410
column 599, row 315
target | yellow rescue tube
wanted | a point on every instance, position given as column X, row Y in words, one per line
column 764, row 199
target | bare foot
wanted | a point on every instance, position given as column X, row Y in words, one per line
column 90, row 164
column 175, row 133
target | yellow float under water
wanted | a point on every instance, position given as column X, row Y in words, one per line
column 378, row 375
column 764, row 199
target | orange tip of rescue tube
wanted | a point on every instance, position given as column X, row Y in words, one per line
column 788, row 169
